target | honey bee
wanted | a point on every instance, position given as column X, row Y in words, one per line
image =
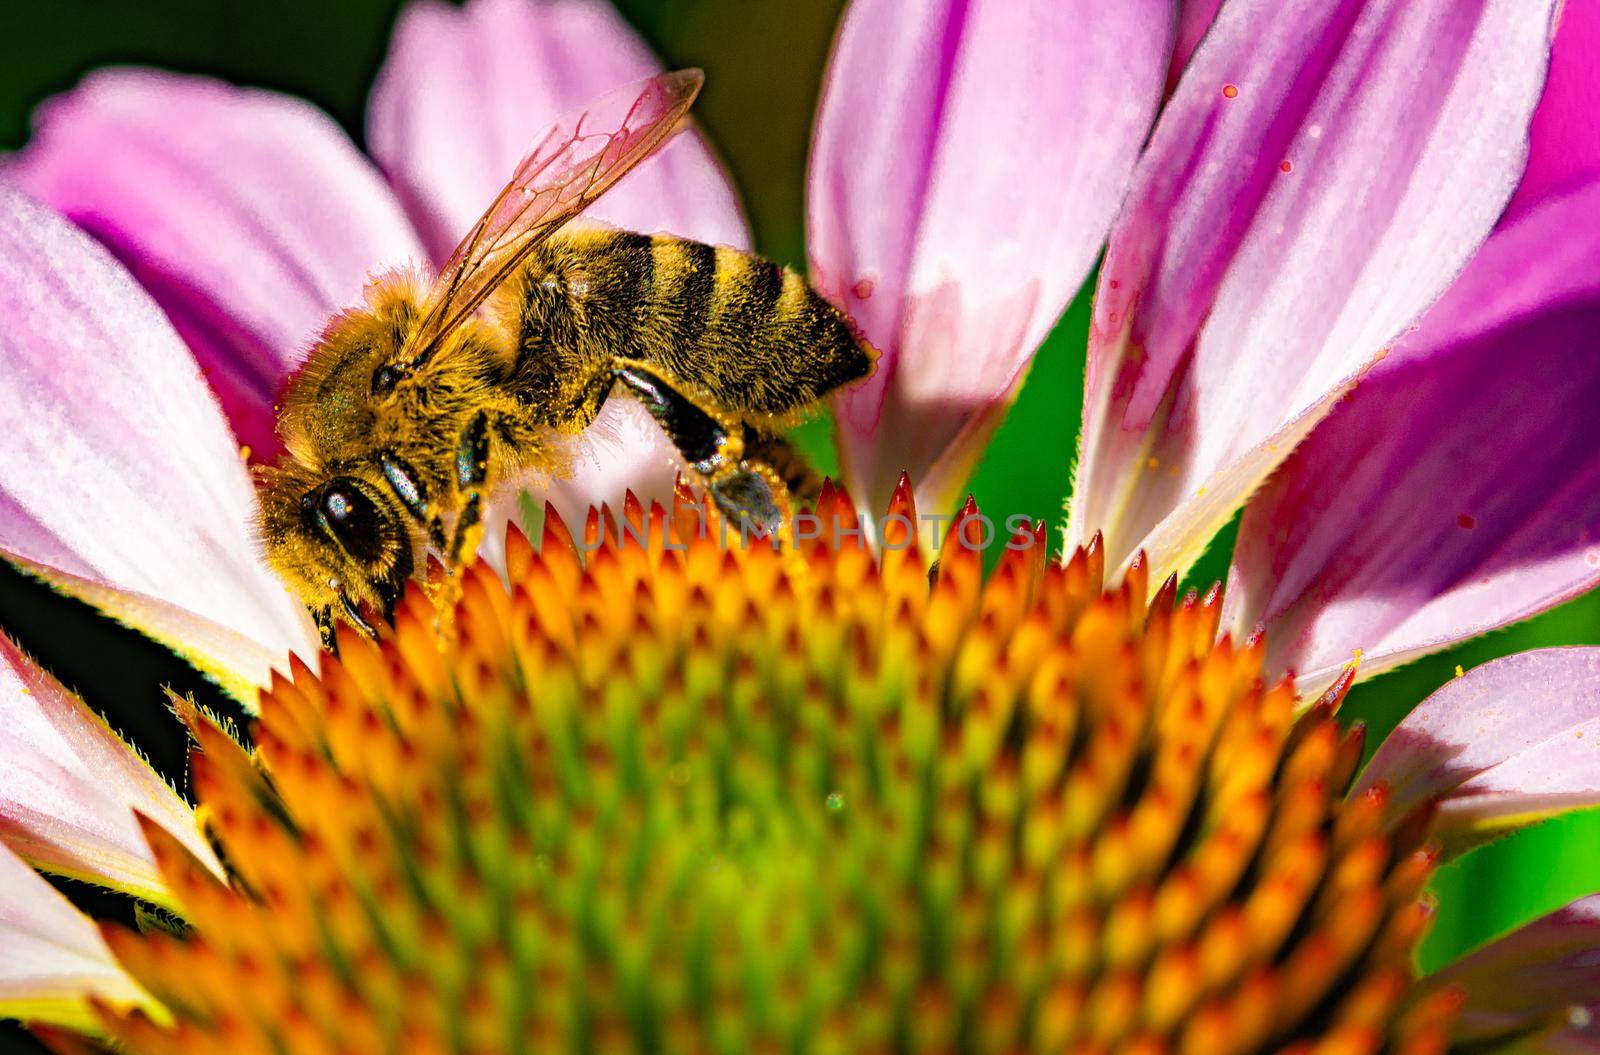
column 412, row 409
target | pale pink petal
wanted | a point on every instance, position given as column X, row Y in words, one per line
column 52, row 958
column 609, row 461
column 69, row 788
column 248, row 215
column 118, row 470
column 1457, row 488
column 1543, row 977
column 465, row 93
column 1505, row 743
column 1322, row 172
column 967, row 162
column 614, row 457
column 1565, row 134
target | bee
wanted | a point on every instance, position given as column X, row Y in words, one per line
column 414, row 409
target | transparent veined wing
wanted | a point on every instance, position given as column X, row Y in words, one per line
column 581, row 157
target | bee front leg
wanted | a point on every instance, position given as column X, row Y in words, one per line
column 712, row 445
column 327, row 628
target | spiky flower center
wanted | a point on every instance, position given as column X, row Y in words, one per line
column 728, row 800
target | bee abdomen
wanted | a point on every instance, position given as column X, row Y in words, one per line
column 753, row 334
column 747, row 334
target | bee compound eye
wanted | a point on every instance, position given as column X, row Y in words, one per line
column 353, row 519
column 384, row 379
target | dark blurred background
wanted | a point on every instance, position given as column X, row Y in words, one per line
column 764, row 61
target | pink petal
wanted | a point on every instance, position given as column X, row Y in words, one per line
column 69, row 788
column 1565, row 135
column 1194, row 19
column 1454, row 491
column 1544, row 974
column 620, row 452
column 52, row 957
column 612, row 458
column 465, row 93
column 1321, row 173
column 249, row 216
column 968, row 159
column 119, row 476
column 1511, row 740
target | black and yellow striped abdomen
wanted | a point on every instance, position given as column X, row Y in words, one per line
column 750, row 337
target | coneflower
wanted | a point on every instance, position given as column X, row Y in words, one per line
column 683, row 797
column 711, row 797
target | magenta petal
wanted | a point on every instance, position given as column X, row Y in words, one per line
column 1323, row 170
column 1458, row 488
column 1194, row 19
column 1512, row 740
column 249, row 216
column 967, row 162
column 1543, row 978
column 119, row 479
column 1565, row 134
column 465, row 92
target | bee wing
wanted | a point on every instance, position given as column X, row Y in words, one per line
column 573, row 164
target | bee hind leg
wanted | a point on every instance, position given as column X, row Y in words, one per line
column 707, row 441
column 748, row 493
column 792, row 468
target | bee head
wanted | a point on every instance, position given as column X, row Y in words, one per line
column 331, row 407
column 340, row 542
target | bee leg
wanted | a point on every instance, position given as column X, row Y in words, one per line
column 389, row 594
column 712, row 446
column 706, row 442
column 469, row 529
column 792, row 468
column 472, row 472
column 747, row 496
column 326, row 627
